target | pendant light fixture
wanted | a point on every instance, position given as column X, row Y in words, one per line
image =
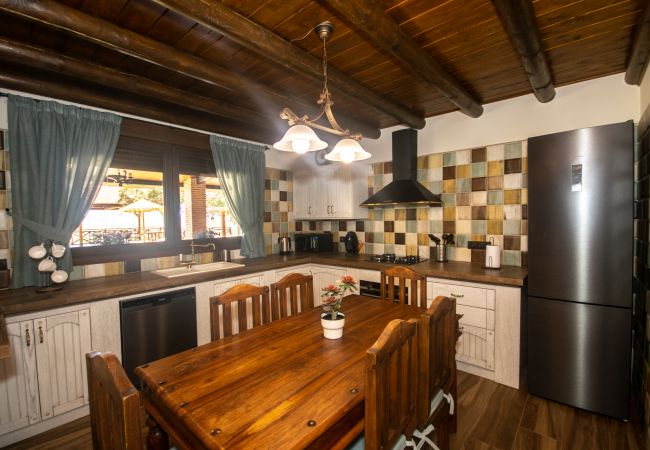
column 301, row 138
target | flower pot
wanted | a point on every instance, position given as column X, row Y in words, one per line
column 332, row 329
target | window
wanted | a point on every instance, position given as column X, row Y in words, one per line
column 128, row 209
column 160, row 192
column 204, row 212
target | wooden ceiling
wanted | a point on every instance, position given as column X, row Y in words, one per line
column 231, row 66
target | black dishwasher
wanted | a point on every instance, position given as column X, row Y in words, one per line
column 156, row 326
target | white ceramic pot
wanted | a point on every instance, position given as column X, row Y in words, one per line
column 59, row 276
column 58, row 250
column 47, row 265
column 38, row 251
column 332, row 329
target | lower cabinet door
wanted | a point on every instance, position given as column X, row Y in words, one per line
column 323, row 276
column 62, row 342
column 19, row 405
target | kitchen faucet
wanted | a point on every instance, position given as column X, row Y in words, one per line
column 193, row 246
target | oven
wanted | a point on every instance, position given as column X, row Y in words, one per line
column 373, row 289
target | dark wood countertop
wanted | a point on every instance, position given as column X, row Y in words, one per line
column 20, row 301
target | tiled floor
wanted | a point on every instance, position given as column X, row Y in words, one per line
column 490, row 417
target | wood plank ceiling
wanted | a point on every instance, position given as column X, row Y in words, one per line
column 213, row 65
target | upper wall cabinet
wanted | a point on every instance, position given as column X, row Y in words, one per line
column 330, row 192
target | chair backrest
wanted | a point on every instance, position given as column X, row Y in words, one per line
column 114, row 404
column 438, row 353
column 221, row 316
column 397, row 276
column 391, row 385
column 294, row 293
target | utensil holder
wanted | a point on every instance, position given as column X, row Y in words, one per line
column 441, row 252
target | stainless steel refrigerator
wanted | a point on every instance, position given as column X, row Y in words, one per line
column 578, row 310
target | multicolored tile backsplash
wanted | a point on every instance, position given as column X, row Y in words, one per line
column 485, row 196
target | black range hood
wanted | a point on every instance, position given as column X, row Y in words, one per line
column 405, row 189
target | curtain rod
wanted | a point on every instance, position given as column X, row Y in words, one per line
column 266, row 146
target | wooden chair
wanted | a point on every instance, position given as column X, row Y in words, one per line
column 293, row 290
column 114, row 404
column 239, row 294
column 437, row 372
column 392, row 386
column 397, row 276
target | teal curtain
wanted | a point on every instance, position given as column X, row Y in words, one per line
column 59, row 155
column 240, row 167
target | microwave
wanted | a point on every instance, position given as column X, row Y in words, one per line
column 314, row 242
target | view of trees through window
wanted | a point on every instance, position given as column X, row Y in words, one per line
column 130, row 209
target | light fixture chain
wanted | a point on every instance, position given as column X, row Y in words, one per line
column 325, row 65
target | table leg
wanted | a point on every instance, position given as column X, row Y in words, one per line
column 157, row 439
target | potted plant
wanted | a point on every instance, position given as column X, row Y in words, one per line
column 332, row 319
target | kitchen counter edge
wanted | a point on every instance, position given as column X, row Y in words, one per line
column 26, row 300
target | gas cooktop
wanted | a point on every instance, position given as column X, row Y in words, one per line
column 390, row 258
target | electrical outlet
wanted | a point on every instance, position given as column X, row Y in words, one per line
column 476, row 245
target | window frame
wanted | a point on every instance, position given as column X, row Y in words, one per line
column 173, row 144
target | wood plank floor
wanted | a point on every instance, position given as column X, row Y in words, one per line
column 490, row 417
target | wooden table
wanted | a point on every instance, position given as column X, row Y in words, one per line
column 281, row 385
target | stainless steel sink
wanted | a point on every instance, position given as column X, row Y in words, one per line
column 200, row 268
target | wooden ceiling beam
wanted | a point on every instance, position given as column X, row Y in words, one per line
column 218, row 17
column 106, row 34
column 640, row 54
column 369, row 17
column 518, row 20
column 38, row 85
column 48, row 60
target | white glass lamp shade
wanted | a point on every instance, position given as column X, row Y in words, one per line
column 300, row 139
column 347, row 150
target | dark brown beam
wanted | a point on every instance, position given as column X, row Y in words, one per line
column 48, row 60
column 248, row 34
column 108, row 35
column 640, row 54
column 369, row 17
column 518, row 19
column 31, row 83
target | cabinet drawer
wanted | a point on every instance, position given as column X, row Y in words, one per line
column 476, row 317
column 464, row 295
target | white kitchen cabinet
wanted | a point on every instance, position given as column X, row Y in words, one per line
column 304, row 269
column 330, row 192
column 324, row 275
column 476, row 345
column 223, row 285
column 43, row 383
column 62, row 342
column 490, row 343
column 19, row 402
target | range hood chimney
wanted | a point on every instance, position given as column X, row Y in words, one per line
column 405, row 189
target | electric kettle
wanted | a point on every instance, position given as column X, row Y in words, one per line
column 284, row 242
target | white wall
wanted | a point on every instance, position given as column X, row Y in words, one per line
column 3, row 113
column 645, row 92
column 590, row 103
